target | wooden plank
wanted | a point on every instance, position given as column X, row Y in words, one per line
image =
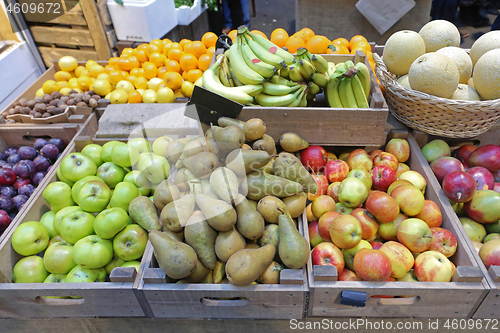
column 49, row 54
column 61, row 36
column 96, row 29
column 72, row 17
column 111, row 35
column 104, row 12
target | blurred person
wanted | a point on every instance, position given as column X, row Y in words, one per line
column 235, row 13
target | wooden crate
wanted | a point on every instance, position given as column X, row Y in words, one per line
column 118, row 298
column 82, row 32
column 457, row 299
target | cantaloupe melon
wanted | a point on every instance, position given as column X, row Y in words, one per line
column 435, row 74
column 401, row 49
column 438, row 34
column 487, row 75
column 487, row 42
column 466, row 93
column 403, row 80
column 461, row 59
column 471, row 82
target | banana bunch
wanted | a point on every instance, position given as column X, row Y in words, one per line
column 349, row 85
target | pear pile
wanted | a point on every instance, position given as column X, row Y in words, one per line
column 228, row 209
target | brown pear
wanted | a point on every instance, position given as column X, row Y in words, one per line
column 220, row 215
column 250, row 222
column 202, row 164
column 228, row 138
column 245, row 266
column 265, row 143
column 268, row 168
column 224, row 183
column 190, row 149
column 174, row 215
column 227, row 243
column 199, row 274
column 293, row 248
column 292, row 142
column 271, row 235
column 219, row 272
column 296, row 204
column 254, row 129
column 243, row 161
column 226, row 121
column 288, row 166
column 143, row 212
column 272, row 273
column 165, row 193
column 271, row 208
column 201, row 237
column 260, row 184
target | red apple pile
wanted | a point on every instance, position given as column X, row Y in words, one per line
column 471, row 181
column 370, row 218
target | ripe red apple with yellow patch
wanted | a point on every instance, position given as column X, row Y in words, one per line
column 399, row 148
column 416, row 179
column 401, row 258
column 381, row 205
column 322, row 183
column 383, row 177
column 336, row 170
column 373, row 153
column 372, row 265
column 321, row 205
column 410, row 199
column 396, row 184
column 369, row 226
column 314, row 236
column 345, row 231
column 432, row 266
column 401, row 169
column 327, row 253
column 431, row 214
column 350, row 253
column 359, row 158
column 348, row 275
column 313, row 158
column 324, row 224
column 443, row 241
column 376, row 245
column 386, row 159
column 490, row 253
column 333, row 191
column 387, row 231
column 415, row 234
column 309, row 213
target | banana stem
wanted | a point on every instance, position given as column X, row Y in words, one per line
column 350, row 72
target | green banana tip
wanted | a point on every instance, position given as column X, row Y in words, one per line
column 242, row 29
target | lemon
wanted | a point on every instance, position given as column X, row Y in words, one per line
column 149, row 96
column 154, row 82
column 141, row 91
column 84, row 82
column 103, row 76
column 178, row 93
column 79, row 70
column 165, row 95
column 95, row 70
column 107, row 96
column 73, row 82
column 119, row 96
column 102, row 87
column 65, row 91
column 50, row 86
column 39, row 93
column 62, row 84
column 198, row 82
column 78, row 90
column 90, row 63
column 67, row 63
column 125, row 85
column 62, row 76
column 187, row 88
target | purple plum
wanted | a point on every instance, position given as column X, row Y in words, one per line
column 59, row 143
column 6, row 203
column 50, row 151
column 27, row 153
column 26, row 190
column 8, row 191
column 13, row 159
column 25, row 169
column 19, row 201
column 41, row 163
column 9, row 151
column 5, row 220
column 7, row 166
column 39, row 143
column 37, row 177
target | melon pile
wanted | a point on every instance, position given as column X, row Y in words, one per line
column 432, row 62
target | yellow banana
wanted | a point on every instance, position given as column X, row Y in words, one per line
column 281, row 80
column 224, row 74
column 340, row 66
column 319, row 63
column 295, row 74
column 255, row 63
column 306, row 69
column 278, row 89
column 244, row 73
column 364, row 77
column 268, row 100
column 331, row 68
column 296, row 102
column 284, row 72
column 237, row 83
column 264, row 54
column 349, row 64
column 250, row 89
column 303, row 101
column 314, row 88
column 346, row 94
column 272, row 48
column 321, row 79
column 359, row 92
column 332, row 91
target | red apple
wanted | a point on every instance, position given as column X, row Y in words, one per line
column 497, row 187
column 336, row 171
column 372, row 265
column 345, row 231
column 396, row 184
column 443, row 241
column 324, row 225
column 415, row 234
column 484, row 207
column 359, row 158
column 333, row 191
column 484, row 178
column 490, row 253
column 459, row 186
column 431, row 214
column 402, row 168
column 322, row 183
column 416, row 179
column 401, row 258
column 387, row 231
column 350, row 253
column 432, row 266
column 410, row 199
column 369, row 226
column 374, row 153
column 462, row 154
column 328, row 254
column 376, row 245
column 309, row 213
column 383, row 177
column 322, row 204
column 399, row 148
column 382, row 206
column 314, row 236
column 313, row 158
column 348, row 275
column 330, row 156
column 486, row 156
column 386, row 159
column 445, row 165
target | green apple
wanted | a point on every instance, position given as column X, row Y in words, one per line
column 55, row 278
column 58, row 196
column 115, row 262
column 352, row 192
column 111, row 174
column 55, row 240
column 141, row 144
column 94, row 196
column 160, row 144
column 58, row 258
column 93, row 252
column 350, row 253
column 62, row 178
column 142, row 158
column 30, row 238
column 156, row 169
column 76, row 188
column 62, row 213
column 94, row 152
column 76, row 225
column 47, row 220
column 29, row 270
column 109, row 222
column 130, row 243
column 137, row 178
column 76, row 166
column 106, row 150
column 85, row 274
column 124, row 155
column 136, row 264
column 124, row 193
column 363, row 175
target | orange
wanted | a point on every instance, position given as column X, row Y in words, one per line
column 260, row 33
column 150, row 70
column 185, row 76
column 183, row 43
column 204, row 62
column 308, row 33
column 125, row 64
column 156, row 42
column 188, row 61
column 176, row 46
column 279, row 37
column 293, row 43
column 166, row 48
column 141, row 83
column 131, row 79
column 196, row 48
column 172, row 66
column 362, row 44
column 142, row 56
column 341, row 41
column 134, row 97
column 109, row 68
column 115, row 77
column 161, row 71
column 336, row 49
column 356, row 39
column 193, row 75
column 128, row 51
column 143, row 47
column 232, row 34
column 113, row 61
column 153, row 48
column 173, row 80
column 157, row 58
column 211, row 51
column 135, row 71
column 209, row 39
column 135, row 62
column 317, row 44
column 166, row 41
column 175, row 54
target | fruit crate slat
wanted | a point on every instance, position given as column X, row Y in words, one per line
column 100, row 299
column 61, row 35
column 457, row 299
column 72, row 17
column 490, row 307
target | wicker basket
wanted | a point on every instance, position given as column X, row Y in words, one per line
column 435, row 115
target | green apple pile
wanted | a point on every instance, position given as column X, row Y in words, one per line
column 90, row 228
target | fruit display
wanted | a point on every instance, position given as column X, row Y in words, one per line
column 370, row 218
column 22, row 170
column 228, row 209
column 471, row 182
column 415, row 58
column 99, row 215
